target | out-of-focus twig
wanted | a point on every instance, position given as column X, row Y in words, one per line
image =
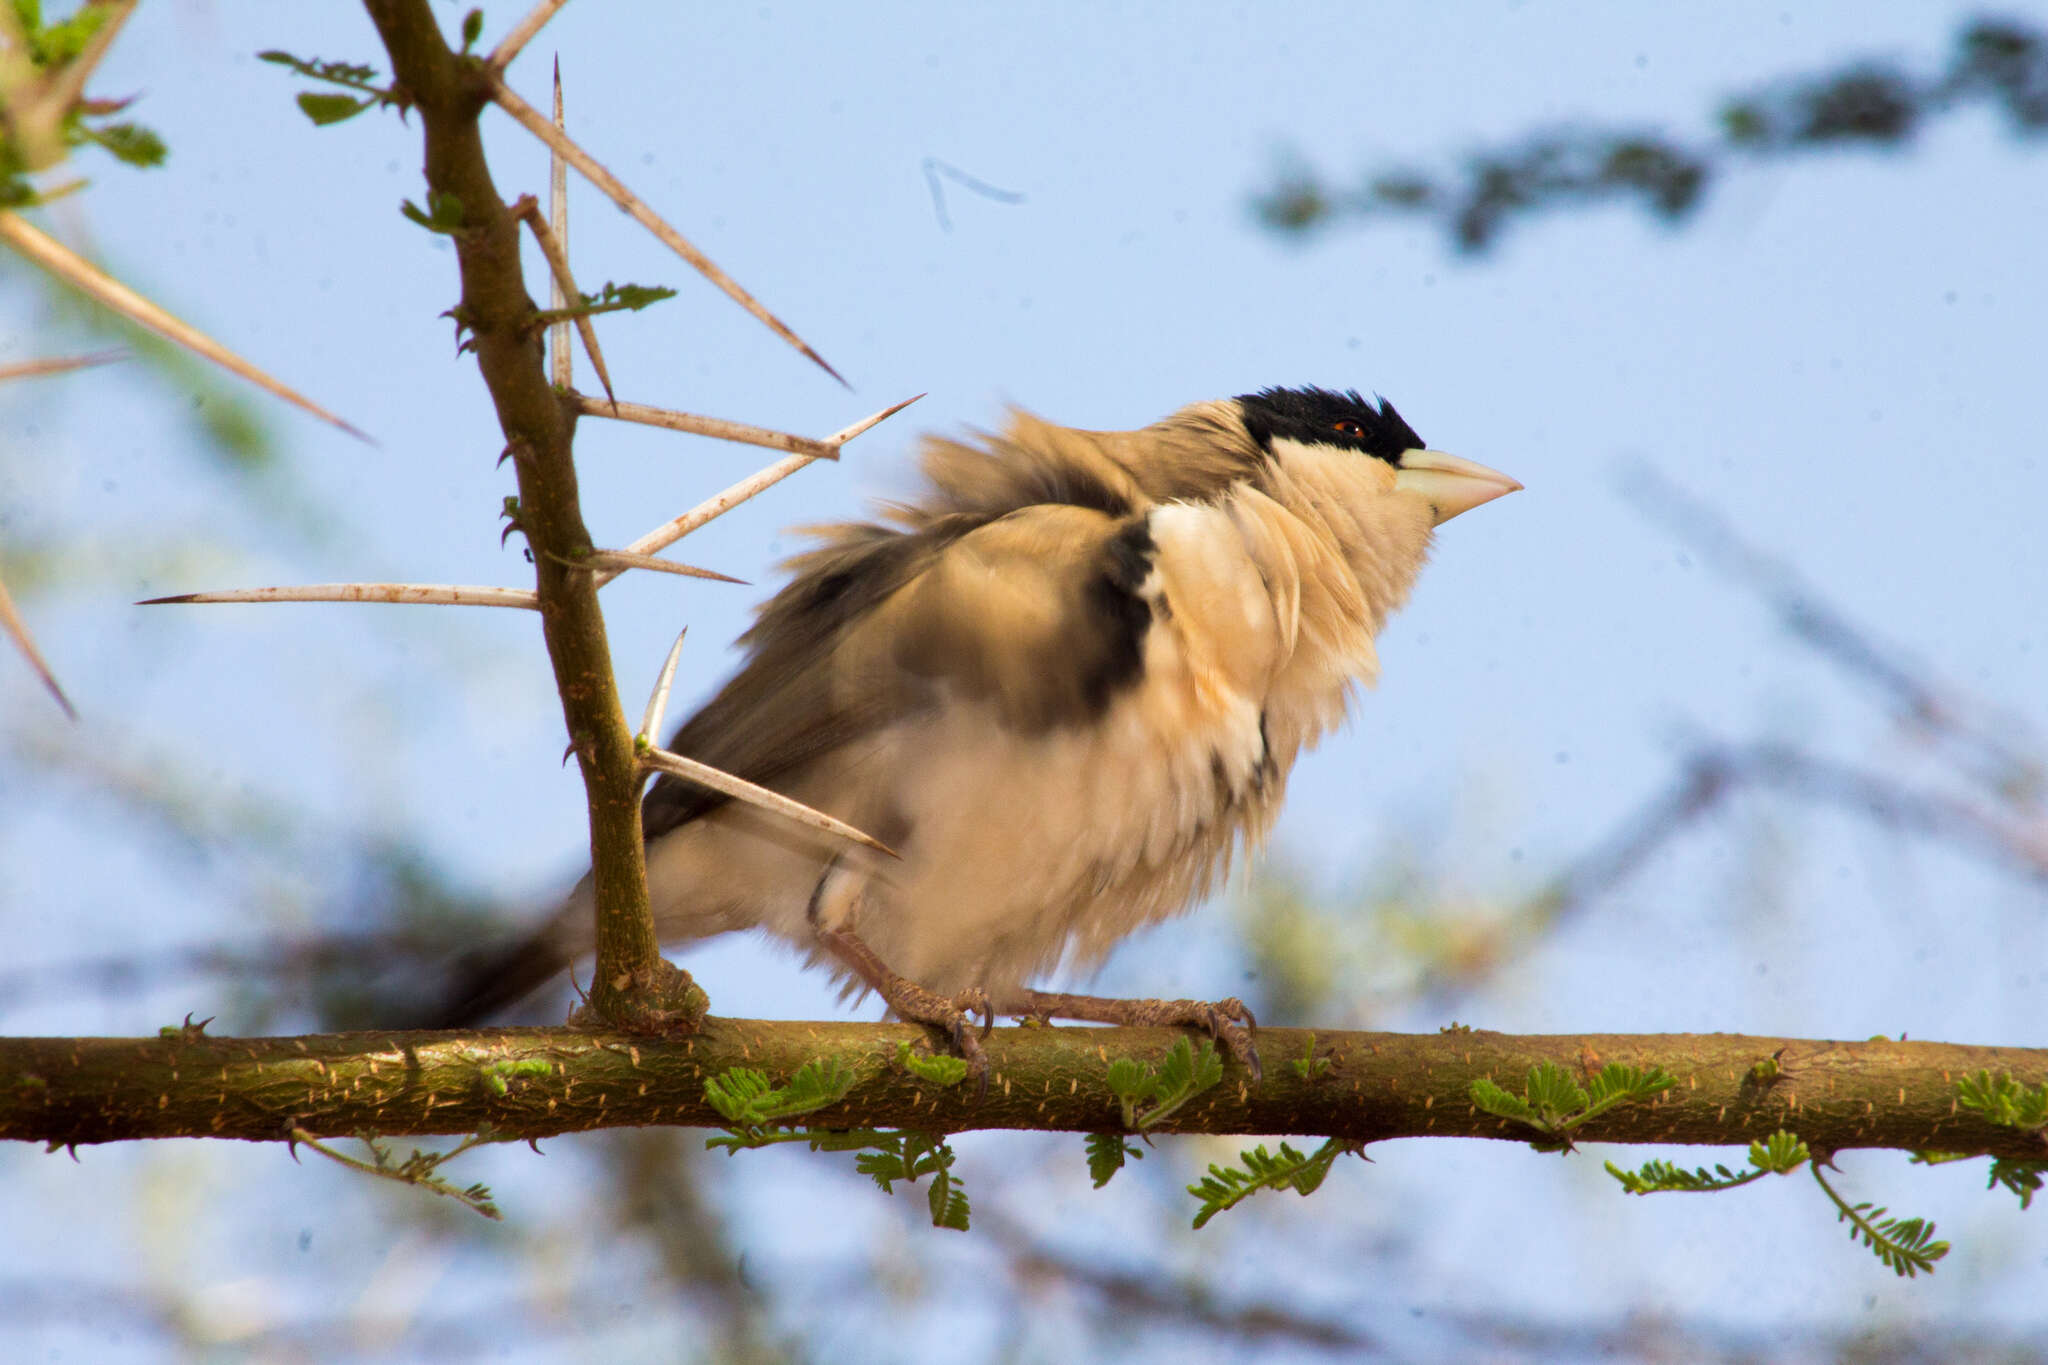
column 37, row 369
column 17, row 631
column 1182, row 1301
column 1996, row 748
column 67, row 265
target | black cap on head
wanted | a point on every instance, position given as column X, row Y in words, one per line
column 1325, row 417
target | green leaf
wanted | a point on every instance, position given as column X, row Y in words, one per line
column 1905, row 1246
column 2023, row 1178
column 1107, row 1153
column 1659, row 1176
column 326, row 109
column 498, row 1073
column 58, row 43
column 633, row 296
column 908, row 1156
column 2003, row 1100
column 1308, row 1066
column 350, row 74
column 613, row 298
column 885, row 1168
column 1552, row 1093
column 1130, row 1081
column 744, row 1098
column 948, row 1203
column 1553, row 1103
column 733, row 1094
column 1783, row 1153
column 472, row 28
column 1780, row 1154
column 1180, row 1076
column 1183, row 1074
column 1493, row 1100
column 130, row 143
column 1227, row 1187
column 939, row 1069
column 1617, row 1083
column 819, row 1082
column 442, row 214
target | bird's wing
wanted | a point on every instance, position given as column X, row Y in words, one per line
column 1037, row 613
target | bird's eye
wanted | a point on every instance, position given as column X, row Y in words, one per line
column 1344, row 426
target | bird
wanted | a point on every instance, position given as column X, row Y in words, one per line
column 1065, row 684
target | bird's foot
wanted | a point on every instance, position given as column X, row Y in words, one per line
column 952, row 1015
column 1227, row 1021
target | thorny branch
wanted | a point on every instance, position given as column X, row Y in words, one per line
column 533, row 1083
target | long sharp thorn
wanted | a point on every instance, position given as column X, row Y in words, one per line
column 560, row 288
column 624, row 559
column 742, row 790
column 561, row 285
column 759, row 481
column 522, row 33
column 715, row 427
column 840, row 438
column 590, row 169
column 657, row 701
column 717, row 505
column 411, row 594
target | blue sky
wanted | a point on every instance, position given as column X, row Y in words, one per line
column 1841, row 354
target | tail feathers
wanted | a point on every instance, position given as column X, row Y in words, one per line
column 490, row 981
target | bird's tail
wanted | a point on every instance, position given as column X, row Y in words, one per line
column 490, row 980
column 493, row 980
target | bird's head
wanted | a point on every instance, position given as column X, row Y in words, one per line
column 1311, row 425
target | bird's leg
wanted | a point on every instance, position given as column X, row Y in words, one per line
column 1227, row 1021
column 950, row 1014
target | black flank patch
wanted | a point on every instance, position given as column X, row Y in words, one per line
column 1123, row 615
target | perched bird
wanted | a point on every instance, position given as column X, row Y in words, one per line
column 1066, row 684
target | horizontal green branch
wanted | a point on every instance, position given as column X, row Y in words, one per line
column 524, row 1083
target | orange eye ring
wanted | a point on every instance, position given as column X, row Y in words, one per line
column 1344, row 426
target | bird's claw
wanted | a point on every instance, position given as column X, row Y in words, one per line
column 954, row 1017
column 1228, row 1021
column 1231, row 1024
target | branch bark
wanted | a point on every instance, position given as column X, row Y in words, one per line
column 532, row 1083
column 450, row 90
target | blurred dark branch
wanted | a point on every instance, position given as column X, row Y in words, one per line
column 1992, row 753
column 322, row 961
column 1124, row 1297
column 2019, row 847
column 1869, row 103
column 480, row 1329
column 476, row 1331
column 1709, row 777
column 1994, row 748
column 1713, row 773
column 656, row 1192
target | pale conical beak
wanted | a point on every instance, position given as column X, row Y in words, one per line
column 1448, row 484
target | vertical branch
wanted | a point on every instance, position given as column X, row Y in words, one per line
column 633, row 985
